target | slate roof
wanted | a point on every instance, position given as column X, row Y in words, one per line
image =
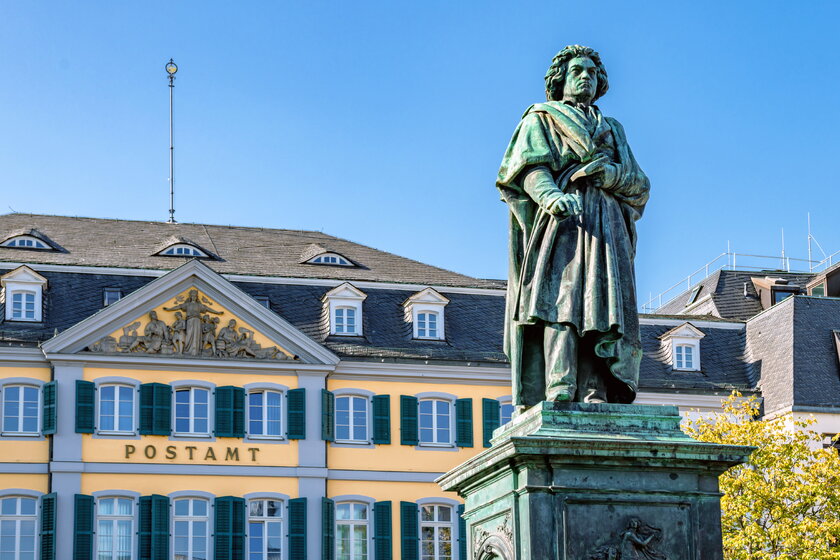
column 727, row 294
column 240, row 250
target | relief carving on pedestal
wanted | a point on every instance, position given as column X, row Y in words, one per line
column 637, row 542
column 191, row 333
column 495, row 545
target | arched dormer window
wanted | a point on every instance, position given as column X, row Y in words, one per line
column 25, row 242
column 330, row 258
column 183, row 250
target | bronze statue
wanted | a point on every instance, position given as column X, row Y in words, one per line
column 193, row 310
column 575, row 192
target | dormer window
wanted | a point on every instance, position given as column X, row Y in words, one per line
column 425, row 311
column 183, row 250
column 25, row 242
column 330, row 258
column 344, row 309
column 684, row 342
column 23, row 292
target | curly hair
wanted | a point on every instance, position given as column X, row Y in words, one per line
column 555, row 77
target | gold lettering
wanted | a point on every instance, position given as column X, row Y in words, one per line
column 190, row 448
column 170, row 452
column 253, row 451
column 147, row 453
column 129, row 450
column 210, row 454
column 232, row 454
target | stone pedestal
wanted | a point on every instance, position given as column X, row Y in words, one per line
column 573, row 481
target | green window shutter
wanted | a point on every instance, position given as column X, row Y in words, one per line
column 296, row 414
column 327, row 415
column 230, row 528
column 462, row 533
column 463, row 423
column 382, row 547
column 409, row 531
column 327, row 529
column 491, row 418
column 408, row 420
column 83, row 527
column 155, row 409
column 49, row 418
column 382, row 419
column 47, row 532
column 230, row 411
column 297, row 528
column 153, row 530
column 85, row 407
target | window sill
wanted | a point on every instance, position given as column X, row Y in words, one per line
column 10, row 320
column 429, row 338
column 192, row 437
column 347, row 335
column 20, row 434
column 264, row 438
column 351, row 444
column 437, row 447
column 116, row 435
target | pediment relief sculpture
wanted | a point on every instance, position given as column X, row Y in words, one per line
column 193, row 331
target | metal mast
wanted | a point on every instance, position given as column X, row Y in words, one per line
column 171, row 68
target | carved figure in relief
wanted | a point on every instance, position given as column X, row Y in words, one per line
column 227, row 340
column 637, row 543
column 208, row 329
column 178, row 330
column 247, row 346
column 193, row 309
column 129, row 336
column 154, row 335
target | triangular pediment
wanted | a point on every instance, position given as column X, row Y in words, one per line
column 190, row 312
column 429, row 295
column 23, row 275
column 345, row 291
column 686, row 330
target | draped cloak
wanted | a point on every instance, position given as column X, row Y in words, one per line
column 577, row 271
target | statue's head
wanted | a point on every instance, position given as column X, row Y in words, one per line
column 634, row 523
column 232, row 323
column 576, row 73
column 178, row 316
column 152, row 315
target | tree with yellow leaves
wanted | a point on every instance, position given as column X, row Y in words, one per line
column 784, row 503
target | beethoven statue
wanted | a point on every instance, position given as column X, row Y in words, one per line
column 575, row 192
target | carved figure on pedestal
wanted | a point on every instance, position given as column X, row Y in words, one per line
column 637, row 543
column 193, row 310
column 574, row 191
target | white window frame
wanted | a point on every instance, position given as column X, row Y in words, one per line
column 260, row 496
column 505, row 401
column 428, row 300
column 186, row 250
column 113, row 518
column 684, row 335
column 327, row 258
column 265, row 388
column 450, row 402
column 341, row 327
column 18, row 518
column 342, row 297
column 188, row 495
column 453, row 514
column 24, row 280
column 134, row 407
column 423, row 327
column 24, row 295
column 24, row 384
column 37, row 244
column 192, row 386
column 353, row 523
column 368, row 417
column 111, row 291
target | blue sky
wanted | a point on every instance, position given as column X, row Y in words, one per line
column 385, row 122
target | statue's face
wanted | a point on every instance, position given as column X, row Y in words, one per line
column 193, row 295
column 153, row 316
column 581, row 80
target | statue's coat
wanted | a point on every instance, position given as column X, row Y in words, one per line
column 579, row 270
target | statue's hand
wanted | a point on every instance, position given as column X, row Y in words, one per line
column 566, row 205
column 600, row 173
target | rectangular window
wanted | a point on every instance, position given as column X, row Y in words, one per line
column 18, row 519
column 265, row 530
column 192, row 408
column 116, row 408
column 505, row 413
column 818, row 290
column 111, row 295
column 779, row 295
column 351, row 419
column 435, row 532
column 684, row 357
column 427, row 325
column 114, row 529
column 264, row 301
column 264, row 414
column 435, row 422
column 351, row 520
column 192, row 523
column 23, row 306
column 345, row 320
column 20, row 409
